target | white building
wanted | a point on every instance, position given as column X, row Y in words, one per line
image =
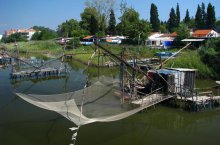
column 209, row 33
column 27, row 33
column 159, row 40
column 1, row 37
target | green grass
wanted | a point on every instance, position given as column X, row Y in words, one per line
column 191, row 59
column 35, row 46
column 188, row 59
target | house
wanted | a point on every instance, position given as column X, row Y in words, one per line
column 112, row 39
column 62, row 40
column 88, row 40
column 209, row 33
column 27, row 33
column 159, row 40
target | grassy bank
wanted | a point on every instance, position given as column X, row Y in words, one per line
column 188, row 59
column 48, row 46
column 191, row 59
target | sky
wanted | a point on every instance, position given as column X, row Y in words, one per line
column 19, row 14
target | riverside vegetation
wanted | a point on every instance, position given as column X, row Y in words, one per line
column 206, row 59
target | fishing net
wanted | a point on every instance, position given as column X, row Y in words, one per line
column 100, row 104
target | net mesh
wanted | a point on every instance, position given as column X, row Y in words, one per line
column 100, row 103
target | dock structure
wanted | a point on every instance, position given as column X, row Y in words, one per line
column 151, row 100
column 38, row 73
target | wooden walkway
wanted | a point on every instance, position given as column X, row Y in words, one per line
column 151, row 100
column 38, row 73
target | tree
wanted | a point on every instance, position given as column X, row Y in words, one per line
column 172, row 23
column 103, row 7
column 86, row 17
column 129, row 25
column 177, row 15
column 187, row 18
column 144, row 29
column 70, row 28
column 182, row 33
column 204, row 17
column 93, row 25
column 198, row 18
column 211, row 19
column 112, row 24
column 14, row 38
column 154, row 20
column 43, row 33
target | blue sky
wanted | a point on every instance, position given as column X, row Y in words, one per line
column 50, row 13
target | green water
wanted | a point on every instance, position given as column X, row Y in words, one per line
column 24, row 124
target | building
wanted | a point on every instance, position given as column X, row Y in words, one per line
column 113, row 39
column 1, row 37
column 88, row 40
column 209, row 33
column 160, row 40
column 27, row 33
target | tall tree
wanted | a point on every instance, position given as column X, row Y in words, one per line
column 43, row 33
column 198, row 18
column 154, row 19
column 123, row 6
column 211, row 19
column 89, row 13
column 187, row 18
column 177, row 15
column 172, row 23
column 132, row 26
column 112, row 23
column 70, row 28
column 103, row 8
column 203, row 11
column 93, row 25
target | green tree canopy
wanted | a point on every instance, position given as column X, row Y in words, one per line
column 198, row 18
column 172, row 23
column 187, row 18
column 86, row 23
column 177, row 15
column 112, row 23
column 43, row 33
column 14, row 38
column 70, row 28
column 211, row 19
column 154, row 18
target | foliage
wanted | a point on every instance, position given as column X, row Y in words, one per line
column 70, row 28
column 198, row 18
column 112, row 24
column 177, row 15
column 210, row 55
column 14, row 38
column 89, row 14
column 187, row 18
column 129, row 24
column 154, row 18
column 182, row 33
column 172, row 22
column 103, row 7
column 42, row 47
column 210, row 22
column 43, row 33
column 185, row 60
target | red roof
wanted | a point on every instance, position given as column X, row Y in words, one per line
column 201, row 33
column 88, row 37
column 174, row 34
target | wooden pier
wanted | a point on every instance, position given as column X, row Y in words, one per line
column 38, row 73
column 151, row 100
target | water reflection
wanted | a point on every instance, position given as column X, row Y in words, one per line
column 23, row 123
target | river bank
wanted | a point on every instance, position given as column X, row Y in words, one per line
column 187, row 58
